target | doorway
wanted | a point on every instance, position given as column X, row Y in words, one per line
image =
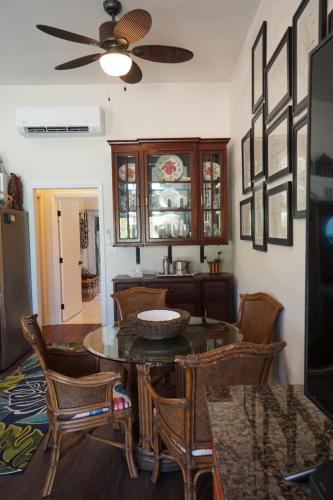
column 68, row 260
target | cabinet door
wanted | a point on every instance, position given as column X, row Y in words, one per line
column 170, row 197
column 213, row 202
column 127, row 198
column 185, row 295
column 217, row 299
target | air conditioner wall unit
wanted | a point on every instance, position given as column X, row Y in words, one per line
column 60, row 121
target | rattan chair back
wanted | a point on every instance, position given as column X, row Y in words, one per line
column 138, row 298
column 33, row 335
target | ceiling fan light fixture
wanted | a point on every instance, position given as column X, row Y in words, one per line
column 115, row 63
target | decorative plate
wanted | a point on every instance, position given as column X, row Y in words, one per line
column 169, row 198
column 208, row 168
column 130, row 172
column 169, row 167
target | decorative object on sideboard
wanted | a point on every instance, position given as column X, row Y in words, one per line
column 258, row 66
column 279, row 215
column 157, row 324
column 309, row 27
column 278, row 77
column 15, row 190
column 214, row 266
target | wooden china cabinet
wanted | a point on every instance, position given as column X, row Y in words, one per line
column 170, row 191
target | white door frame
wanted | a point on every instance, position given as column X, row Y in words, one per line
column 31, row 198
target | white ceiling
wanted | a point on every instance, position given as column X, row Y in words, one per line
column 213, row 29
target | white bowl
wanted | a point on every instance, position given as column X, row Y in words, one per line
column 158, row 315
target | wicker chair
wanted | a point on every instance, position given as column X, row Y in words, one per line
column 257, row 317
column 138, row 298
column 183, row 423
column 77, row 403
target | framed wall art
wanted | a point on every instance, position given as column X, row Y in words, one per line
column 309, row 27
column 279, row 216
column 246, row 163
column 246, row 219
column 278, row 77
column 258, row 67
column 330, row 22
column 300, row 141
column 258, row 143
column 259, row 217
column 278, row 146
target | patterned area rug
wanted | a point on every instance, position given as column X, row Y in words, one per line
column 23, row 417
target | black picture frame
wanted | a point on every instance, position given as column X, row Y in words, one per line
column 247, row 163
column 259, row 195
column 301, row 102
column 300, row 169
column 287, row 238
column 282, row 145
column 286, row 90
column 245, row 203
column 330, row 22
column 260, row 115
column 261, row 40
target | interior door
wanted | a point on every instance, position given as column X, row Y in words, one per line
column 69, row 253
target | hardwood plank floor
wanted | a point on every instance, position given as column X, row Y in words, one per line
column 92, row 471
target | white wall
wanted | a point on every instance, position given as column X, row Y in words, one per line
column 281, row 270
column 151, row 110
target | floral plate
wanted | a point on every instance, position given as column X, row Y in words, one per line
column 130, row 172
column 169, row 167
column 209, row 168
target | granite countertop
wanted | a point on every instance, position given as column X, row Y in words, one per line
column 261, row 433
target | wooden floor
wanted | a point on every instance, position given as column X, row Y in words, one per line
column 92, row 471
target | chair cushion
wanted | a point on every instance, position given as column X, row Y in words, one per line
column 121, row 401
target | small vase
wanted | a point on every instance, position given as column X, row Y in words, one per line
column 214, row 267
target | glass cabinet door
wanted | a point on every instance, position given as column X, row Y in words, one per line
column 212, row 203
column 127, row 196
column 169, row 198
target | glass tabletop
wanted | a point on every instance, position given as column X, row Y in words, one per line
column 120, row 343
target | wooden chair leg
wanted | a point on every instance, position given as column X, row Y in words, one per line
column 189, row 487
column 48, row 438
column 56, row 449
column 156, row 447
column 127, row 423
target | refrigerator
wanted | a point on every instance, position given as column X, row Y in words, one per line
column 15, row 284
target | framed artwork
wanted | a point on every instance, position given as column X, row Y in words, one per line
column 258, row 67
column 330, row 22
column 278, row 146
column 309, row 27
column 246, row 219
column 278, row 77
column 279, row 227
column 300, row 142
column 258, row 143
column 259, row 217
column 246, row 163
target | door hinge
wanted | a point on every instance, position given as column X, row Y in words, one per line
column 62, row 307
column 61, row 260
column 59, row 213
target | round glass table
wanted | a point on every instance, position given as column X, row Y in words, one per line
column 119, row 342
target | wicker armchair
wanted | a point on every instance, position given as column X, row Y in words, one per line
column 77, row 403
column 257, row 317
column 138, row 298
column 183, row 423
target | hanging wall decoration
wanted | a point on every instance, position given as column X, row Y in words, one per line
column 258, row 145
column 15, row 191
column 246, row 219
column 259, row 217
column 246, row 163
column 258, row 66
column 280, row 228
column 83, row 230
column 278, row 146
column 309, row 27
column 300, row 139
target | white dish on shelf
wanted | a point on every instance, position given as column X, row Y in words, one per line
column 169, row 167
column 169, row 194
column 209, row 168
column 130, row 172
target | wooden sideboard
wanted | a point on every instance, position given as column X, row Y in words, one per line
column 202, row 294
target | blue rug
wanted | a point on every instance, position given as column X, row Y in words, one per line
column 23, row 417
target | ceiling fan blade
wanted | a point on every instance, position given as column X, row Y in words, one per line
column 67, row 35
column 134, row 75
column 162, row 53
column 134, row 25
column 81, row 61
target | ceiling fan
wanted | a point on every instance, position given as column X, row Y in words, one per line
column 115, row 39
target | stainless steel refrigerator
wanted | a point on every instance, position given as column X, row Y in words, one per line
column 15, row 284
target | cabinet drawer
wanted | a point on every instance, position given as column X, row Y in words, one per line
column 118, row 287
column 216, row 288
column 179, row 289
